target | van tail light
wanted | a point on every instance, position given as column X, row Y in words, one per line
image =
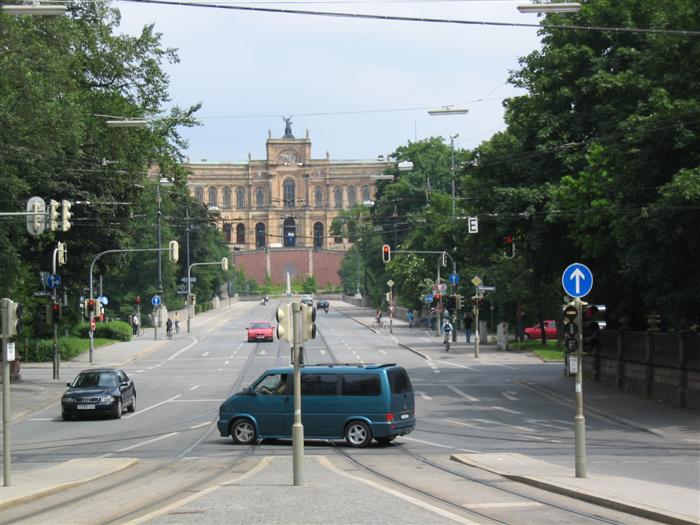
column 390, row 417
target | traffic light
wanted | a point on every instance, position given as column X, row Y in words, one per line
column 53, row 215
column 451, row 303
column 308, row 327
column 224, row 264
column 593, row 323
column 65, row 215
column 386, row 253
column 11, row 318
column 443, row 259
column 284, row 323
column 174, row 251
column 508, row 247
column 62, row 253
column 90, row 306
column 458, row 301
column 56, row 312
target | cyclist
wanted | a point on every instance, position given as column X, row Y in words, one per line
column 378, row 318
column 177, row 322
column 447, row 330
column 169, row 328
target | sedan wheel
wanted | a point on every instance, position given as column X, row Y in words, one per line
column 118, row 409
column 358, row 434
column 66, row 415
column 243, row 432
column 132, row 406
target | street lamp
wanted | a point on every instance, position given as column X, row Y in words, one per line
column 571, row 7
column 35, row 10
column 447, row 110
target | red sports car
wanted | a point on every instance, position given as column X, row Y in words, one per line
column 535, row 332
column 260, row 331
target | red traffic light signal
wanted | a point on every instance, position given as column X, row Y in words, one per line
column 55, row 312
column 91, row 305
column 386, row 253
column 138, row 299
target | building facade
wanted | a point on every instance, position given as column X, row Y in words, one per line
column 286, row 201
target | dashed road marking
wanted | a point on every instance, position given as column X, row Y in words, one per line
column 509, row 395
column 457, row 391
column 422, row 395
column 195, row 387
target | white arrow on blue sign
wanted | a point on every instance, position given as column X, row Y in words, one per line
column 53, row 281
column 577, row 280
column 155, row 300
column 429, row 298
column 454, row 278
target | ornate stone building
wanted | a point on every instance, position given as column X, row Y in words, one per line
column 286, row 201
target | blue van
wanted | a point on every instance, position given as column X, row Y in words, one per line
column 351, row 402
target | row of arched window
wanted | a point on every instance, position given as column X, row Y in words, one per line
column 289, row 233
column 289, row 196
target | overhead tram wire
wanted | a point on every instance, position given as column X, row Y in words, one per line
column 394, row 18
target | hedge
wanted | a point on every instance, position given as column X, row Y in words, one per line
column 39, row 350
column 119, row 330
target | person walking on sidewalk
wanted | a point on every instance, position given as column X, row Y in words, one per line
column 468, row 321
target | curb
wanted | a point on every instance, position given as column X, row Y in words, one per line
column 421, row 354
column 604, row 501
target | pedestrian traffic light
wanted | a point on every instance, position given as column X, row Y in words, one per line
column 53, row 215
column 284, row 323
column 90, row 306
column 443, row 259
column 458, row 301
column 452, row 303
column 62, row 253
column 174, row 251
column 56, row 312
column 11, row 318
column 508, row 247
column 138, row 299
column 65, row 215
column 308, row 326
column 386, row 253
column 593, row 323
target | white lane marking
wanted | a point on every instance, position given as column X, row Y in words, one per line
column 159, row 365
column 195, row 387
column 462, row 394
column 506, row 410
column 449, row 363
column 201, row 400
column 205, row 354
column 200, row 425
column 263, row 352
column 227, row 362
column 150, row 368
column 41, row 419
column 142, row 410
column 358, row 357
column 326, row 463
column 421, row 394
column 220, row 370
column 510, row 395
column 538, row 438
column 322, row 352
column 139, row 371
column 148, row 442
column 426, row 442
column 503, row 505
column 485, row 421
column 381, row 351
column 194, row 342
column 462, row 423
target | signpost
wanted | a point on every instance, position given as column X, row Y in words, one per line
column 577, row 281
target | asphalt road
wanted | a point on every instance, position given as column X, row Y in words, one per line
column 502, row 402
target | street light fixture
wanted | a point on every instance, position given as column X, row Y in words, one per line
column 447, row 110
column 34, row 10
column 572, row 7
column 127, row 123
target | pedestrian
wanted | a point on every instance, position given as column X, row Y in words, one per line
column 378, row 318
column 134, row 325
column 169, row 328
column 177, row 322
column 468, row 321
column 410, row 318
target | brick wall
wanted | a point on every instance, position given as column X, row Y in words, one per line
column 325, row 265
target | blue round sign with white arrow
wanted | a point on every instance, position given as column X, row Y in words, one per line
column 454, row 278
column 577, row 280
column 53, row 281
column 155, row 300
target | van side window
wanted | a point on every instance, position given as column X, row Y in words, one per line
column 360, row 385
column 399, row 381
column 318, row 384
column 273, row 384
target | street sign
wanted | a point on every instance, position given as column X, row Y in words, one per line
column 577, row 280
column 104, row 300
column 476, row 281
column 429, row 298
column 36, row 223
column 442, row 287
column 570, row 329
column 483, row 288
column 570, row 312
column 53, row 281
column 454, row 278
column 155, row 300
column 473, row 223
column 390, row 283
column 192, row 280
column 571, row 345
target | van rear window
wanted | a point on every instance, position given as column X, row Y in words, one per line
column 399, row 381
column 360, row 385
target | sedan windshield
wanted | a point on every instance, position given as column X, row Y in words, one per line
column 96, row 379
column 260, row 325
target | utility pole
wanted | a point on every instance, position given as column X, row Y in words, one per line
column 579, row 419
column 160, row 269
column 452, row 169
column 297, row 427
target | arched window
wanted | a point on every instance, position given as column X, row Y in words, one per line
column 240, row 198
column 290, row 232
column 213, row 197
column 352, row 196
column 318, row 197
column 227, row 197
column 240, row 233
column 338, row 198
column 199, row 194
column 366, row 196
column 318, row 235
column 227, row 232
column 260, row 235
column 289, row 193
column 260, row 198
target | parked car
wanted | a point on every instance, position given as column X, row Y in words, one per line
column 535, row 331
column 352, row 402
column 99, row 391
column 260, row 331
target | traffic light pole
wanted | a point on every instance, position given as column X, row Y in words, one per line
column 579, row 419
column 476, row 321
column 297, row 427
column 56, row 355
column 6, row 453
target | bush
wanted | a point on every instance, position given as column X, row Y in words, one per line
column 119, row 330
column 41, row 350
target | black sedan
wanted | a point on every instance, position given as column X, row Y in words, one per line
column 322, row 305
column 102, row 391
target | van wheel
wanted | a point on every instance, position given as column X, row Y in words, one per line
column 243, row 432
column 384, row 441
column 358, row 434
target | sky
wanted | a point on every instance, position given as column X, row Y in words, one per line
column 360, row 87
